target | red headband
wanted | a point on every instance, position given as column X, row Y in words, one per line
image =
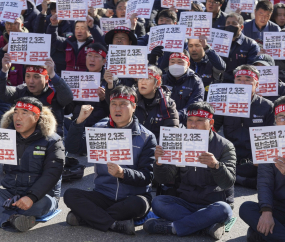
column 150, row 73
column 200, row 113
column 247, row 73
column 100, row 52
column 39, row 70
column 279, row 109
column 131, row 98
column 28, row 106
column 180, row 56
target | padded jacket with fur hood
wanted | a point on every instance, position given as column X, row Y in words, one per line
column 39, row 159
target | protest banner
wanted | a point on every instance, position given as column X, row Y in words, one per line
column 246, row 6
column 142, row 8
column 25, row 4
column 197, row 23
column 268, row 80
column 109, row 145
column 108, row 24
column 39, row 2
column 178, row 4
column 84, row 85
column 29, row 48
column 128, row 61
column 182, row 147
column 230, row 99
column 274, row 44
column 267, row 142
column 2, row 4
column 8, row 147
column 72, row 9
column 171, row 37
column 11, row 10
column 221, row 41
column 96, row 3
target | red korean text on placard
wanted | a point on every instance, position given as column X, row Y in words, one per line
column 98, row 155
column 6, row 154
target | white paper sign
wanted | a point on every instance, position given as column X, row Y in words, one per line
column 108, row 24
column 39, row 2
column 178, row 4
column 11, row 10
column 25, row 4
column 72, row 9
column 197, row 24
column 96, row 3
column 109, row 145
column 8, row 147
column 268, row 80
column 221, row 41
column 28, row 48
column 171, row 37
column 230, row 99
column 267, row 142
column 142, row 8
column 84, row 85
column 246, row 6
column 128, row 61
column 2, row 4
column 182, row 147
column 274, row 44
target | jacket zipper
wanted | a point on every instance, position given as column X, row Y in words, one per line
column 118, row 184
column 29, row 179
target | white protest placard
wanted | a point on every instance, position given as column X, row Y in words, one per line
column 171, row 37
column 39, row 2
column 221, row 41
column 268, row 80
column 198, row 23
column 72, row 9
column 11, row 10
column 230, row 99
column 274, row 44
column 29, row 48
column 8, row 147
column 267, row 142
column 84, row 85
column 142, row 8
column 109, row 145
column 25, row 4
column 178, row 4
column 182, row 147
column 246, row 6
column 107, row 24
column 2, row 4
column 96, row 3
column 128, row 61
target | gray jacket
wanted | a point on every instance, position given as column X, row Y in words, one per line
column 204, row 185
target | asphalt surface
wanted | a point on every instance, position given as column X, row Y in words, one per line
column 56, row 229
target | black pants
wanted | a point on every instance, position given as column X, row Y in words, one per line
column 249, row 171
column 100, row 212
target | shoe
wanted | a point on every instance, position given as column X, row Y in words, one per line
column 216, row 230
column 125, row 227
column 253, row 236
column 72, row 219
column 158, row 226
column 22, row 223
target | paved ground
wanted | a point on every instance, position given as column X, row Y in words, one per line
column 57, row 230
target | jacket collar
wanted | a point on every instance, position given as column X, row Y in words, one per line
column 181, row 79
column 240, row 39
column 204, row 59
column 134, row 126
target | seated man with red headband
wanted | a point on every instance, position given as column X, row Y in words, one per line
column 121, row 192
column 42, row 83
column 32, row 186
column 236, row 129
column 205, row 194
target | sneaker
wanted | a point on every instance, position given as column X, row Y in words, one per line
column 72, row 219
column 216, row 230
column 22, row 223
column 125, row 227
column 157, row 226
column 253, row 236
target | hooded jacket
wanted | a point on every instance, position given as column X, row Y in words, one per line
column 39, row 159
column 30, row 16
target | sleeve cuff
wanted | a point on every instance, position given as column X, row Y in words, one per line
column 265, row 209
column 32, row 197
column 3, row 74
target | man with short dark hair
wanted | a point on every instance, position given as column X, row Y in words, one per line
column 219, row 16
column 33, row 185
column 121, row 192
column 204, row 193
column 267, row 217
column 255, row 28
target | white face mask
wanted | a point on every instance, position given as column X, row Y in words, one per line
column 177, row 70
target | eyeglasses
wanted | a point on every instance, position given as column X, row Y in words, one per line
column 213, row 3
column 280, row 118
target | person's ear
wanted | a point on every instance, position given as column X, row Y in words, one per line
column 37, row 117
column 241, row 27
column 104, row 61
column 188, row 63
column 212, row 121
column 158, row 84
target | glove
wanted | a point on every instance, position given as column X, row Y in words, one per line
column 155, row 54
column 8, row 203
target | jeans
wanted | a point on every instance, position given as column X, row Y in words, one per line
column 42, row 208
column 249, row 212
column 188, row 217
